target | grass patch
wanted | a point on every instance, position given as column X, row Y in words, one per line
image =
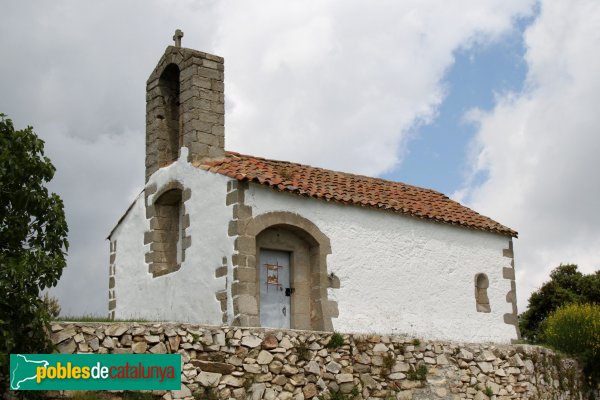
column 519, row 341
column 331, row 395
column 97, row 318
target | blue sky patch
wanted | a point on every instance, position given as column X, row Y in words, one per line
column 437, row 153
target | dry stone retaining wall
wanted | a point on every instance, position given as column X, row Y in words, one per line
column 241, row 363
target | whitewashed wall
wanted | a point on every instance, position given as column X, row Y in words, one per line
column 398, row 274
column 404, row 275
column 187, row 295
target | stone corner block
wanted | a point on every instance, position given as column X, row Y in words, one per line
column 245, row 304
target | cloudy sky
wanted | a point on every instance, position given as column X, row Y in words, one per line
column 492, row 102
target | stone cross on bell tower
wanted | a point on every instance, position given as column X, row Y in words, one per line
column 177, row 37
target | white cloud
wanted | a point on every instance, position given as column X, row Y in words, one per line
column 339, row 84
column 97, row 181
column 332, row 83
column 540, row 148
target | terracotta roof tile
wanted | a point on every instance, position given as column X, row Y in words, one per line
column 352, row 189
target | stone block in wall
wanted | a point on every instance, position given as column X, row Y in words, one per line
column 245, row 304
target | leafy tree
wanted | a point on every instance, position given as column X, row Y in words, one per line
column 567, row 285
column 33, row 241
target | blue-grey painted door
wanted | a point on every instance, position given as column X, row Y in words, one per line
column 274, row 280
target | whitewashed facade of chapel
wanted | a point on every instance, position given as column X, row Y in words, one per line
column 218, row 237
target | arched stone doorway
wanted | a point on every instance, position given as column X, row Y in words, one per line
column 307, row 247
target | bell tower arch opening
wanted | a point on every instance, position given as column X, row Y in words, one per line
column 169, row 86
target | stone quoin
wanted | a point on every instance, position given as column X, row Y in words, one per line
column 219, row 237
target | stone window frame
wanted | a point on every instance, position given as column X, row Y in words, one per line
column 482, row 301
column 152, row 237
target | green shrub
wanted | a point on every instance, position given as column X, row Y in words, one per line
column 303, row 350
column 52, row 305
column 388, row 362
column 575, row 329
column 566, row 286
column 336, row 341
column 418, row 374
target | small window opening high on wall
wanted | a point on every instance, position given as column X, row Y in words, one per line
column 481, row 297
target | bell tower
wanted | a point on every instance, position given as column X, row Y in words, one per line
column 185, row 106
